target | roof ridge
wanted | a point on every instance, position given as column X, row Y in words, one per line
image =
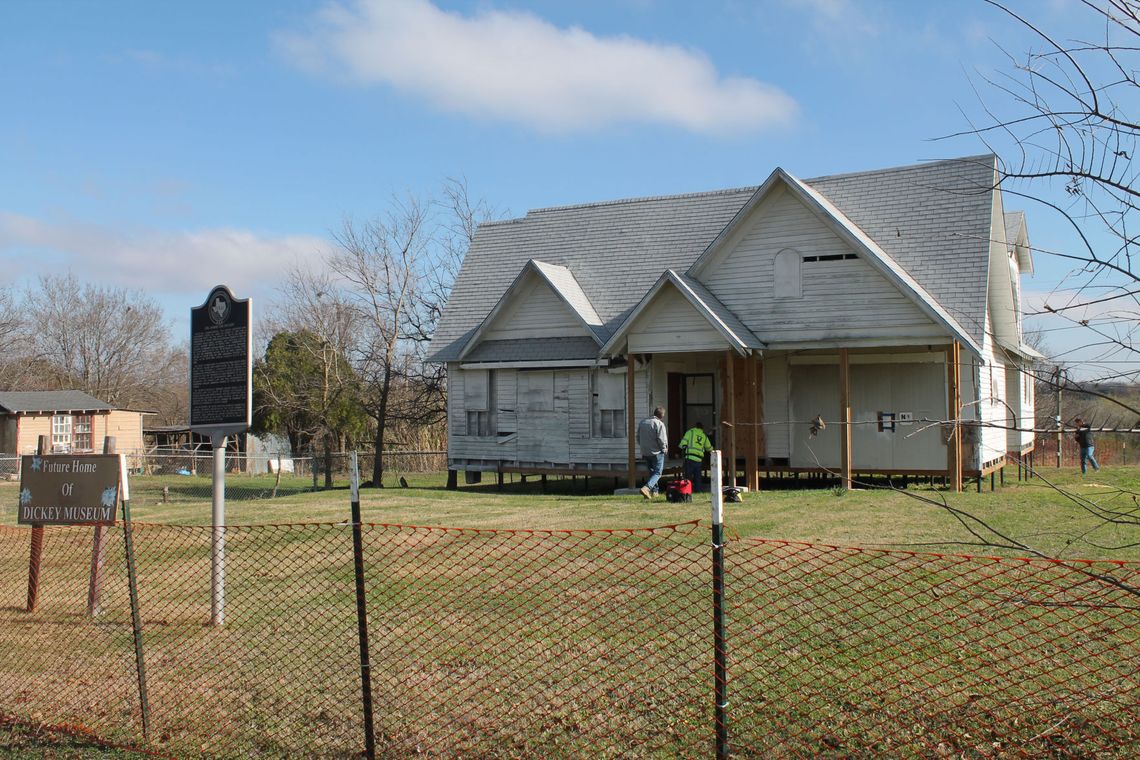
column 644, row 199
column 979, row 158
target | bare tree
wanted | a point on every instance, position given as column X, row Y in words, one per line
column 110, row 342
column 382, row 265
column 1060, row 117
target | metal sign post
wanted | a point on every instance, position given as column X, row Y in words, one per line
column 221, row 404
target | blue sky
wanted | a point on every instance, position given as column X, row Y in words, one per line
column 170, row 146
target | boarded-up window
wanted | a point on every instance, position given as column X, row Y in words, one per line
column 609, row 395
column 786, row 274
column 476, row 397
column 536, row 391
column 477, row 401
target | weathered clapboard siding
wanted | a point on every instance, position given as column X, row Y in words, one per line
column 456, row 417
column 777, row 431
column 671, row 324
column 536, row 312
column 841, row 298
column 580, row 404
column 506, row 401
column 995, row 415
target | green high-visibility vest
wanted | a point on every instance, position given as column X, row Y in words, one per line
column 695, row 444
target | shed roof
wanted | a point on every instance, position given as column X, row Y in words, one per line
column 28, row 402
column 932, row 219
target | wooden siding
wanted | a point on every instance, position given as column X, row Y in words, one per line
column 125, row 426
column 535, row 312
column 671, row 324
column 456, row 415
column 841, row 298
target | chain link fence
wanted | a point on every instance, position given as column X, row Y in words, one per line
column 490, row 643
column 160, row 477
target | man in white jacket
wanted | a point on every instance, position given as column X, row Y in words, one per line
column 653, row 439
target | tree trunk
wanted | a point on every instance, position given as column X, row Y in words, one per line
column 381, row 426
column 329, row 441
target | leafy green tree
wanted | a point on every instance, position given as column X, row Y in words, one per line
column 305, row 390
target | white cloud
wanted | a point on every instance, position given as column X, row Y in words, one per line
column 516, row 67
column 153, row 260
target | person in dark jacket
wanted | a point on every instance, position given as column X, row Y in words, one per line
column 1084, row 438
column 694, row 445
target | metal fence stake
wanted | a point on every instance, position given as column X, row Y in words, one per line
column 362, row 614
column 132, row 585
column 720, row 651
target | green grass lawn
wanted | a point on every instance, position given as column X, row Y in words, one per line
column 511, row 643
column 1057, row 521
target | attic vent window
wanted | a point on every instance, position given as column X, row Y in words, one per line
column 786, row 274
column 830, row 257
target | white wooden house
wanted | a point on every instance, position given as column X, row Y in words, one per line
column 889, row 300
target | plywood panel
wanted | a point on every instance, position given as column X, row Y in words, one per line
column 777, row 431
column 815, row 391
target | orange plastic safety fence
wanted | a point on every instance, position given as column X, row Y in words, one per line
column 842, row 652
column 571, row 644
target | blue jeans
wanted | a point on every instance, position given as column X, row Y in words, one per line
column 692, row 472
column 656, row 463
column 1087, row 456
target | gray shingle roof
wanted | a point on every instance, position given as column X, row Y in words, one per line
column 534, row 349
column 933, row 219
column 51, row 401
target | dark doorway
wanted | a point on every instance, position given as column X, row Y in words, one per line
column 691, row 400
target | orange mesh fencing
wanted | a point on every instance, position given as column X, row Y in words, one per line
column 845, row 652
column 570, row 644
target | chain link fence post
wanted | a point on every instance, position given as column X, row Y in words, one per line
column 720, row 652
column 362, row 612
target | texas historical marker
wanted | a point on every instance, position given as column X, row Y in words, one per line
column 220, row 367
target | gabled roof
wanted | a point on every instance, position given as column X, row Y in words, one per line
column 932, row 219
column 562, row 282
column 706, row 304
column 1017, row 237
column 65, row 402
column 852, row 235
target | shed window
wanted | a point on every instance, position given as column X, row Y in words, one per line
column 786, row 274
column 81, row 432
column 61, row 432
column 609, row 397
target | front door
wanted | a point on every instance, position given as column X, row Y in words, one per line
column 691, row 400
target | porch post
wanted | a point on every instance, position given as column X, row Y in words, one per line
column 954, row 410
column 630, row 420
column 730, row 414
column 753, row 449
column 845, row 417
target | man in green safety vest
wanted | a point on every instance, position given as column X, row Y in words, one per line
column 694, row 445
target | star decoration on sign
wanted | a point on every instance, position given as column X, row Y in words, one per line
column 37, row 464
column 25, row 497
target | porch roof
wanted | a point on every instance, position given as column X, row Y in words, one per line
column 739, row 337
